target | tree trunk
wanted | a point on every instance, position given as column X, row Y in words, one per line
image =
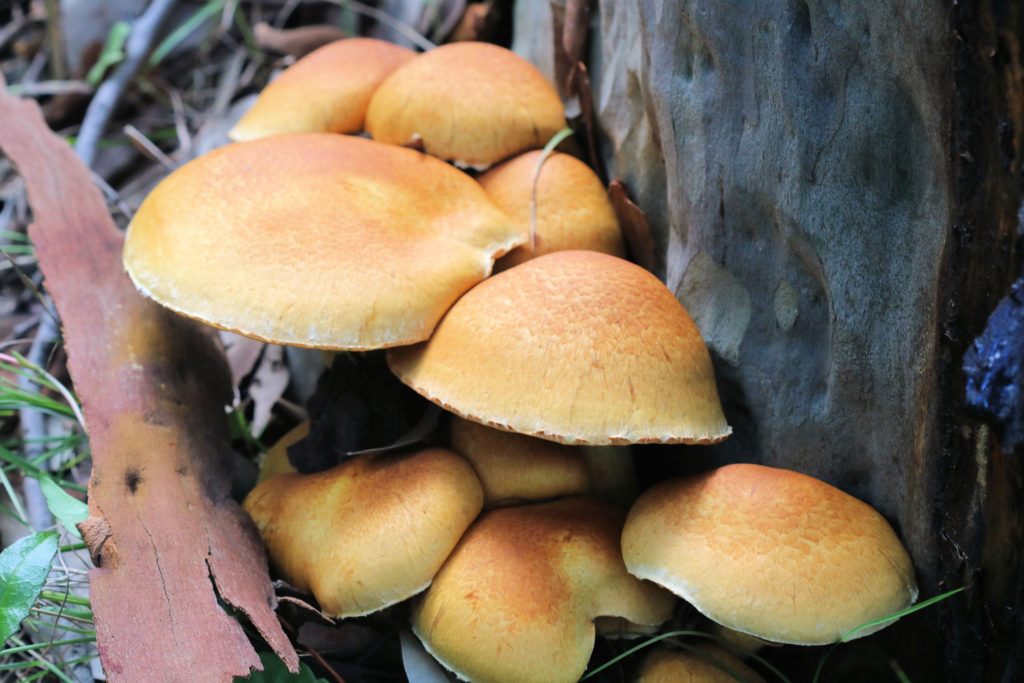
column 834, row 189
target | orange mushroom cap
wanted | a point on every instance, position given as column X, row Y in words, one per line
column 316, row 240
column 705, row 663
column 326, row 91
column 575, row 347
column 471, row 103
column 370, row 532
column 573, row 209
column 517, row 599
column 516, row 467
column 770, row 552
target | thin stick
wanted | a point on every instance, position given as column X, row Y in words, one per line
column 56, row 38
column 50, row 88
column 146, row 146
column 18, row 21
column 180, row 125
column 33, row 427
column 139, row 42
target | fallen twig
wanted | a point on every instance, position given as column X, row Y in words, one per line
column 138, row 45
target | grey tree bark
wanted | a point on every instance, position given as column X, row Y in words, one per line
column 834, row 190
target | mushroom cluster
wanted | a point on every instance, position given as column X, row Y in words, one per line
column 520, row 531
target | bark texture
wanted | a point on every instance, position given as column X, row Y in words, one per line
column 173, row 552
column 833, row 189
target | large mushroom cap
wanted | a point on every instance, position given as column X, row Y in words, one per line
column 770, row 552
column 316, row 240
column 517, row 598
column 471, row 103
column 573, row 209
column 326, row 91
column 370, row 532
column 575, row 347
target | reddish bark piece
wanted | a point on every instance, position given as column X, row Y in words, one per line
column 170, row 542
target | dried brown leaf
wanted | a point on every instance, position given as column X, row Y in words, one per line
column 575, row 29
column 297, row 42
column 635, row 227
column 171, row 544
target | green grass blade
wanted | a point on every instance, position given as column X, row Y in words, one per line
column 245, row 28
column 38, row 646
column 19, row 512
column 878, row 622
column 673, row 634
column 65, row 598
column 38, row 624
column 902, row 613
column 188, row 26
column 112, row 53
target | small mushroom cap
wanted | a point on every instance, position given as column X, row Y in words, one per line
column 517, row 598
column 706, row 663
column 770, row 552
column 370, row 532
column 573, row 209
column 575, row 347
column 326, row 91
column 515, row 467
column 316, row 240
column 471, row 103
column 275, row 461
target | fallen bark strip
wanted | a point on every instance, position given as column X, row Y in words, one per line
column 167, row 539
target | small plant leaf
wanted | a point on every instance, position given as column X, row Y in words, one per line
column 24, row 566
column 112, row 53
column 275, row 671
column 65, row 507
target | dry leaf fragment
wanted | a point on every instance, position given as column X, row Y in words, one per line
column 296, row 42
column 635, row 227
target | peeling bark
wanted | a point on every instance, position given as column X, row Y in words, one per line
column 170, row 543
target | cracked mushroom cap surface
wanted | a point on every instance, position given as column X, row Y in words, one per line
column 577, row 347
column 370, row 532
column 573, row 209
column 470, row 103
column 316, row 240
column 770, row 552
column 326, row 91
column 517, row 599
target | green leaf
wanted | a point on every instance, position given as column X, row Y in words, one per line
column 23, row 568
column 65, row 507
column 275, row 671
column 113, row 52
